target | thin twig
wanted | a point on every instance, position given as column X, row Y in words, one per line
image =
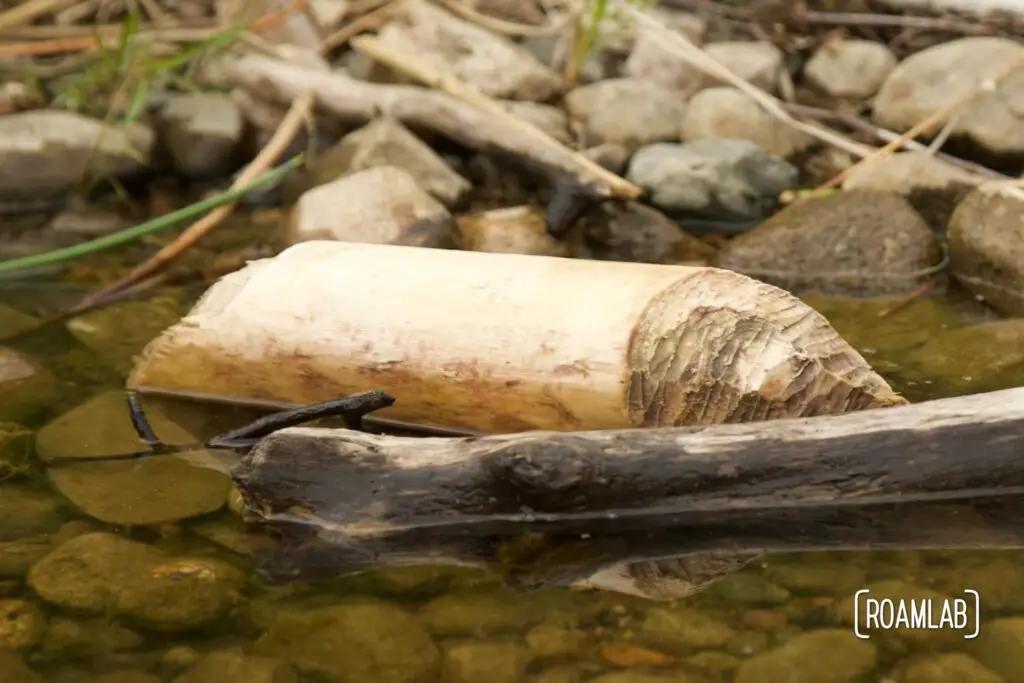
column 508, row 28
column 291, row 124
column 419, row 69
column 27, row 11
column 895, row 20
column 368, row 22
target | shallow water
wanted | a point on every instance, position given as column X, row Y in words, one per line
column 97, row 585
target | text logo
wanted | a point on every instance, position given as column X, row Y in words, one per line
column 927, row 614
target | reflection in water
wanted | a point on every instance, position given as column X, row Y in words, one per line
column 146, row 573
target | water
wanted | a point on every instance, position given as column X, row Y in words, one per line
column 97, row 585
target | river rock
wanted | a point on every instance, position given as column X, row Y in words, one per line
column 234, row 665
column 353, row 642
column 680, row 631
column 609, row 155
column 157, row 490
column 824, row 656
column 21, row 624
column 727, row 112
column 551, row 641
column 494, row 65
column 937, row 77
column 718, row 178
column 983, row 357
column 15, row 450
column 25, row 511
column 749, row 589
column 26, row 386
column 201, row 133
column 851, row 242
column 897, row 591
column 814, row 575
column 106, row 574
column 18, row 556
column 88, row 638
column 1001, row 578
column 1000, row 647
column 651, row 60
column 382, row 142
column 14, row 670
column 379, row 205
column 515, row 230
column 639, row 676
column 630, row 231
column 45, row 152
column 986, row 247
column 849, row 69
column 628, row 111
column 117, row 333
column 933, row 187
column 757, row 62
column 497, row 662
column 952, row 667
column 499, row 612
column 551, row 120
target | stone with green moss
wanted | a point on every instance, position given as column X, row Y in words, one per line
column 950, row 667
column 495, row 662
column 682, row 630
column 26, row 387
column 1000, row 647
column 825, row 656
column 228, row 666
column 493, row 613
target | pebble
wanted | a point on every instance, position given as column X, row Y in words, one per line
column 651, row 60
column 629, row 111
column 679, row 631
column 201, row 133
column 630, row 231
column 849, row 69
column 757, row 62
column 379, row 205
column 727, row 112
column 718, row 178
column 514, row 230
column 549, row 119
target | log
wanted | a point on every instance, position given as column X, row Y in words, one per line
column 499, row 343
column 945, row 473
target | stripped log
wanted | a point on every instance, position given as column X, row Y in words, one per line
column 498, row 343
column 347, row 501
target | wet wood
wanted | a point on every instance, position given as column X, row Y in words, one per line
column 346, row 500
column 500, row 343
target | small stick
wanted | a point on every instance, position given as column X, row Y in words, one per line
column 910, row 298
column 368, row 22
column 615, row 185
column 508, row 28
column 27, row 11
column 282, row 137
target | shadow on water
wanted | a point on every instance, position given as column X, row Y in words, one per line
column 144, row 572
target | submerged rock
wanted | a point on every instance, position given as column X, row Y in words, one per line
column 160, row 489
column 515, row 230
column 952, row 667
column 984, row 357
column 630, row 231
column 680, row 631
column 106, row 574
column 21, row 624
column 234, row 665
column 727, row 112
column 628, row 111
column 46, row 152
column 849, row 69
column 201, row 133
column 937, row 77
column 490, row 613
column 15, row 450
column 814, row 575
column 14, row 670
column 25, row 386
column 353, row 642
column 719, row 178
column 88, row 638
column 26, row 510
column 825, row 656
column 18, row 556
column 380, row 205
column 746, row 588
column 494, row 662
column 119, row 332
column 851, row 242
column 1000, row 647
column 986, row 246
column 900, row 592
column 383, row 142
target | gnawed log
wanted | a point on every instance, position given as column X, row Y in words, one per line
column 347, row 501
column 487, row 342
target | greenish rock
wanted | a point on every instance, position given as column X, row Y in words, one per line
column 495, row 662
column 901, row 592
column 26, row 387
column 15, row 450
column 419, row 582
column 1000, row 647
column 14, row 322
column 551, row 641
column 21, row 624
column 999, row 582
column 228, row 531
column 14, row 670
column 984, row 357
column 26, row 510
column 952, row 667
column 104, row 573
column 234, row 665
column 645, row 677
column 566, row 673
column 713, row 661
column 65, row 637
column 825, row 656
column 747, row 643
column 682, row 630
column 815, row 576
column 18, row 556
column 356, row 642
column 492, row 613
column 117, row 333
column 127, row 676
column 157, row 490
column 748, row 589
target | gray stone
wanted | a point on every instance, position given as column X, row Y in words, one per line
column 986, row 246
column 935, row 78
column 201, row 133
column 235, row 665
column 495, row 662
column 551, row 120
column 353, row 643
column 718, row 178
column 628, row 111
column 727, row 112
column 825, row 656
column 45, row 152
column 157, row 490
column 757, row 62
column 380, row 205
column 651, row 60
column 106, row 574
column 851, row 243
column 849, row 69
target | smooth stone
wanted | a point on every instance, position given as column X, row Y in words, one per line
column 628, row 111
column 825, row 656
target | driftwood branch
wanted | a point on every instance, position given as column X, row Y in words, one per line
column 347, row 499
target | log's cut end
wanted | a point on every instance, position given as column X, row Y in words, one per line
column 717, row 347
